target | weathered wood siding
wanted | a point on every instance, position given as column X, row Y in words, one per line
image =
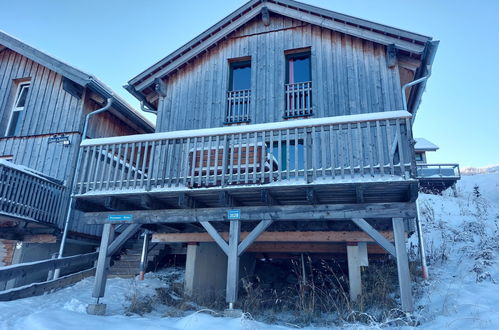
column 105, row 124
column 349, row 76
column 49, row 108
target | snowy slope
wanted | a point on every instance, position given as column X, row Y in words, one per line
column 462, row 239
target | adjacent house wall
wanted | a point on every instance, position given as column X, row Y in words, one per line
column 349, row 76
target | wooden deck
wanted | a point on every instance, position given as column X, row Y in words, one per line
column 30, row 196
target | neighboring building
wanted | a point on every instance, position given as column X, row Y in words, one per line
column 43, row 104
column 282, row 124
column 421, row 147
column 434, row 178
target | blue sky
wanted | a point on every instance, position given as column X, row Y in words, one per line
column 115, row 40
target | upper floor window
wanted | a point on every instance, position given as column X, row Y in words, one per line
column 419, row 157
column 20, row 100
column 239, row 94
column 298, row 88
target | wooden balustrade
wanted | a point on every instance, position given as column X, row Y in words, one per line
column 358, row 147
column 298, row 99
column 29, row 195
column 238, row 106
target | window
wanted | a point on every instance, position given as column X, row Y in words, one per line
column 240, row 75
column 298, row 68
column 419, row 157
column 239, row 94
column 298, row 88
column 20, row 100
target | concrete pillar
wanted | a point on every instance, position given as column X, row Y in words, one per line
column 363, row 256
column 354, row 274
column 205, row 270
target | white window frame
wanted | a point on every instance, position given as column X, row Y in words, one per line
column 19, row 89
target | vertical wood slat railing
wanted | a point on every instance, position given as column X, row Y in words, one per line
column 238, row 106
column 298, row 99
column 30, row 196
column 309, row 150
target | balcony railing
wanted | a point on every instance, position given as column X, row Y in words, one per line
column 298, row 99
column 29, row 195
column 238, row 106
column 358, row 147
column 438, row 171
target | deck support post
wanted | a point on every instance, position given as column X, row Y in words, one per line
column 233, row 263
column 101, row 271
column 354, row 273
column 404, row 276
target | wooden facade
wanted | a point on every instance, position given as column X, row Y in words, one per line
column 48, row 130
column 349, row 76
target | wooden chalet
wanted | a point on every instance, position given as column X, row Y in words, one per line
column 283, row 128
column 43, row 104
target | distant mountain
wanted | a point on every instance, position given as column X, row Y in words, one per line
column 480, row 170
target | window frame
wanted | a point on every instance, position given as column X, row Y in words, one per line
column 20, row 87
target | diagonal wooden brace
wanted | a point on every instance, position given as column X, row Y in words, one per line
column 375, row 235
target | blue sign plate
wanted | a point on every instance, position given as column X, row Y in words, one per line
column 234, row 214
column 120, row 218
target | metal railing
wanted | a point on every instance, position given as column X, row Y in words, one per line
column 238, row 106
column 298, row 99
column 29, row 195
column 438, row 171
column 310, row 150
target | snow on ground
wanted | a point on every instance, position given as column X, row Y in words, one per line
column 462, row 240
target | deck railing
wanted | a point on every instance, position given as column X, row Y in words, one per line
column 360, row 147
column 30, row 196
column 298, row 98
column 438, row 171
column 238, row 106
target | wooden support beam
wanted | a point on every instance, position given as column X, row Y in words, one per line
column 374, row 234
column 214, row 235
column 102, row 262
column 403, row 265
column 188, row 202
column 329, row 248
column 312, row 196
column 114, row 204
column 257, row 213
column 359, row 193
column 253, row 235
column 233, row 263
column 226, row 200
column 267, row 198
column 391, row 55
column 130, row 230
column 283, row 236
column 149, row 203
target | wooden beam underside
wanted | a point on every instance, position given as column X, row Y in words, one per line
column 325, row 248
column 258, row 213
column 287, row 236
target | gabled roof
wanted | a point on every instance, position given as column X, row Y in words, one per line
column 424, row 145
column 79, row 77
column 406, row 41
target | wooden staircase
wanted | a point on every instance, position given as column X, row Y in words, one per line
column 127, row 265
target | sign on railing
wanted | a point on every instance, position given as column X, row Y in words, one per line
column 359, row 147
